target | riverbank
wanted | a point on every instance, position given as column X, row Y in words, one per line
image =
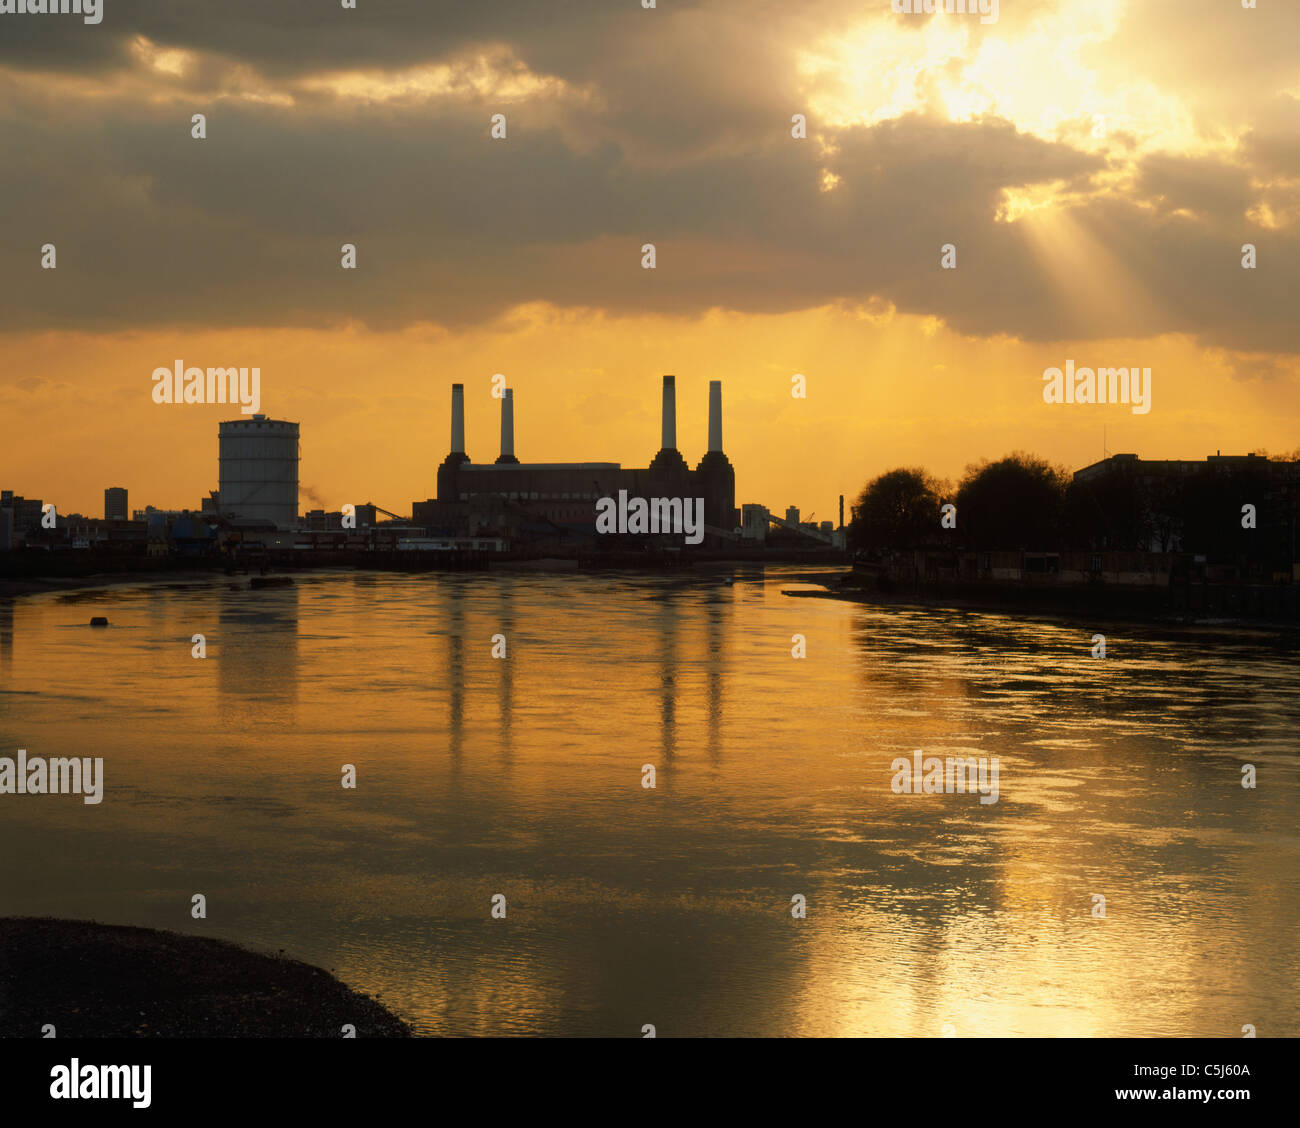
column 11, row 588
column 1062, row 609
column 91, row 980
column 193, row 577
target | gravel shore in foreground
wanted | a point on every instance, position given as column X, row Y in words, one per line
column 91, row 980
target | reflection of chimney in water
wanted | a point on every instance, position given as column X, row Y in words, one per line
column 506, row 617
column 454, row 615
column 669, row 618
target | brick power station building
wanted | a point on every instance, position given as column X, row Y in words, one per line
column 507, row 497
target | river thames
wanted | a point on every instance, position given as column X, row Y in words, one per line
column 522, row 775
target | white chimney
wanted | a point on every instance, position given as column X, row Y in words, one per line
column 670, row 414
column 508, row 425
column 458, row 419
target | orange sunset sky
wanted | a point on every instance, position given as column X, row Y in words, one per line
column 1097, row 164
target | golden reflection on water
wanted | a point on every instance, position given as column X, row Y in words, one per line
column 927, row 914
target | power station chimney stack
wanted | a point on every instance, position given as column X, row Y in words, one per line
column 715, row 415
column 458, row 419
column 508, row 427
column 668, row 463
column 714, row 478
column 670, row 414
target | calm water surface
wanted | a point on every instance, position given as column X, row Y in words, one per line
column 522, row 776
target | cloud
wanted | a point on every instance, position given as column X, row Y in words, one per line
column 629, row 126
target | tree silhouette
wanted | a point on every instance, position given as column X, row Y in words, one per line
column 1110, row 511
column 1017, row 502
column 899, row 509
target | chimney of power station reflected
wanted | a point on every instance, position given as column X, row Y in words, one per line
column 508, row 427
column 715, row 415
column 458, row 419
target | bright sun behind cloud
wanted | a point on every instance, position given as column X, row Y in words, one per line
column 1052, row 77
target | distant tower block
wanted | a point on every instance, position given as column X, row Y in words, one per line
column 508, row 428
column 458, row 419
column 115, row 504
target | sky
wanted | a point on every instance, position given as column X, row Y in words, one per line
column 1097, row 166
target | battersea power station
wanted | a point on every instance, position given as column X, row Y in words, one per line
column 557, row 500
